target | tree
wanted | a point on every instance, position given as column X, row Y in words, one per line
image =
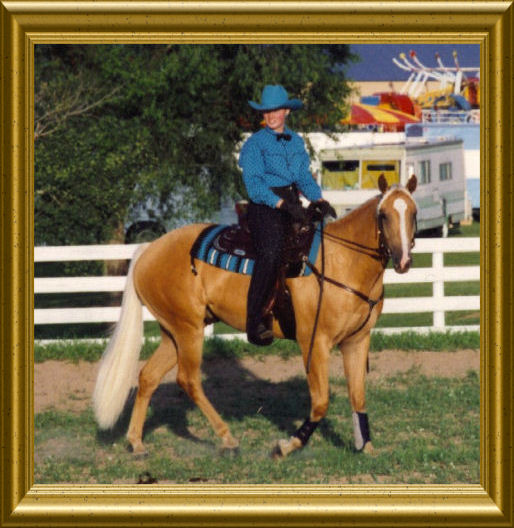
column 125, row 128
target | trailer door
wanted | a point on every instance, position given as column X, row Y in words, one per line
column 338, row 175
column 372, row 169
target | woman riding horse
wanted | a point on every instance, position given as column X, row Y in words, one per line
column 274, row 163
column 357, row 248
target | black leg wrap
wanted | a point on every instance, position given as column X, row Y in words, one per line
column 305, row 431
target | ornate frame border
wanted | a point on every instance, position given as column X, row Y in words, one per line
column 25, row 23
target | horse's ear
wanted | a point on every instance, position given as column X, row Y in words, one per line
column 412, row 183
column 382, row 183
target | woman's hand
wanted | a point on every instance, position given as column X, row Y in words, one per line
column 295, row 210
column 320, row 209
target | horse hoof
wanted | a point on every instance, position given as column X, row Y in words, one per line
column 284, row 447
column 229, row 451
column 368, row 448
column 138, row 451
column 229, row 442
column 276, row 453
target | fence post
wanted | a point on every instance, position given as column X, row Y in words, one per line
column 209, row 330
column 97, row 314
column 438, row 287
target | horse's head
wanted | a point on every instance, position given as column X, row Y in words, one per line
column 396, row 213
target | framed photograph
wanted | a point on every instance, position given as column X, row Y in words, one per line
column 26, row 24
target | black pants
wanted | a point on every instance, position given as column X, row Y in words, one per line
column 268, row 228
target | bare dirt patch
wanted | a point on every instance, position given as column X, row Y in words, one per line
column 68, row 386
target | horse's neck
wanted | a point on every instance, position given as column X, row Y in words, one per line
column 349, row 263
column 358, row 226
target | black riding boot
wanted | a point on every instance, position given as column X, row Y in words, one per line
column 258, row 330
column 267, row 227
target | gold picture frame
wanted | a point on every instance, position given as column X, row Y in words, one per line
column 25, row 23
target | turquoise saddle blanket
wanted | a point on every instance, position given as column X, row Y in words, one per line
column 208, row 248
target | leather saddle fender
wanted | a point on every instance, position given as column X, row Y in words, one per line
column 236, row 240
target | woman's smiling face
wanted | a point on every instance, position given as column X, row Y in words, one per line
column 276, row 119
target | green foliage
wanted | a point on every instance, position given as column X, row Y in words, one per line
column 125, row 128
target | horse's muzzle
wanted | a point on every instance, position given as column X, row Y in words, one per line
column 402, row 263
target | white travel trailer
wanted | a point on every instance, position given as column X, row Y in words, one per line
column 348, row 174
column 470, row 135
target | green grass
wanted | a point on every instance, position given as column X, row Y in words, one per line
column 221, row 328
column 419, row 260
column 416, row 289
column 462, row 288
column 404, row 320
column 217, row 348
column 424, row 430
column 459, row 318
column 472, row 230
column 410, row 341
column 424, row 289
column 464, row 317
column 462, row 259
column 424, row 260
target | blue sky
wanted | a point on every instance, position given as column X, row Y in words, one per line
column 377, row 65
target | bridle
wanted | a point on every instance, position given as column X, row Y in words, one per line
column 382, row 254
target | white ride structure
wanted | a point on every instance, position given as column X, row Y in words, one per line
column 420, row 74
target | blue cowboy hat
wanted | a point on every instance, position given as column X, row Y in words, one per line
column 274, row 96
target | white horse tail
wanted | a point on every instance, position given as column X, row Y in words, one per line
column 118, row 367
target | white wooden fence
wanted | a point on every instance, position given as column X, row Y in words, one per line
column 437, row 274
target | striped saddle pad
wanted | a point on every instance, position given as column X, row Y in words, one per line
column 229, row 248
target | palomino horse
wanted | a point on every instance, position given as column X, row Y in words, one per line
column 355, row 251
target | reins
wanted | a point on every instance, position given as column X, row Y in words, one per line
column 321, row 280
column 381, row 254
column 374, row 253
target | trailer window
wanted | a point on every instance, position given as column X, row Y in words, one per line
column 372, row 169
column 337, row 175
column 382, row 167
column 424, row 171
column 445, row 171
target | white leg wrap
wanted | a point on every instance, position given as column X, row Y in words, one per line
column 360, row 429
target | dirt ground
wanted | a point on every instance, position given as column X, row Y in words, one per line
column 68, row 386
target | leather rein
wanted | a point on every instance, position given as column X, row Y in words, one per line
column 381, row 254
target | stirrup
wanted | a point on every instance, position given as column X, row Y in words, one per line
column 260, row 336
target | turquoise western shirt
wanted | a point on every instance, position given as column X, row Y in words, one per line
column 270, row 162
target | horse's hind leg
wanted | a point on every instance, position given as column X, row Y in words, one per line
column 355, row 357
column 163, row 359
column 189, row 378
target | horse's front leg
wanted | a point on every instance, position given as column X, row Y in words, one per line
column 355, row 357
column 317, row 379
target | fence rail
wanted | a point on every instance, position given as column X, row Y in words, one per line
column 437, row 274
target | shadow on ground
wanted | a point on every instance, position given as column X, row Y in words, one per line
column 236, row 393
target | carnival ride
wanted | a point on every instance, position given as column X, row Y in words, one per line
column 456, row 99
